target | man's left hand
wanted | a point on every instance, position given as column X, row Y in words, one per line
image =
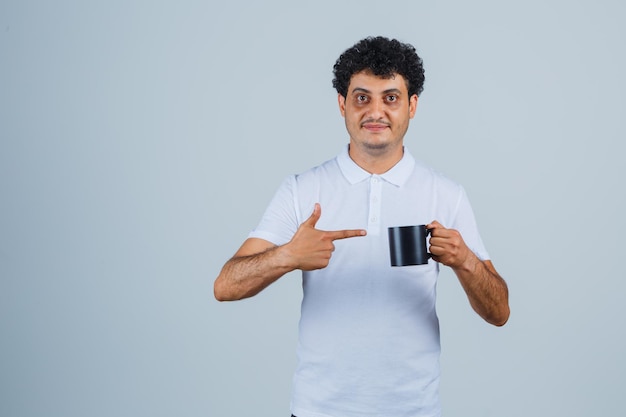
column 447, row 246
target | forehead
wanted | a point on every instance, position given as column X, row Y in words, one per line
column 366, row 80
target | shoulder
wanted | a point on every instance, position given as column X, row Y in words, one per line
column 425, row 172
column 327, row 169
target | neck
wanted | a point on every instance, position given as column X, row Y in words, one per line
column 377, row 160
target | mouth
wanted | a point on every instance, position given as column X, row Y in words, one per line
column 374, row 126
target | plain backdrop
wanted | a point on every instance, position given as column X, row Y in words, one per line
column 140, row 142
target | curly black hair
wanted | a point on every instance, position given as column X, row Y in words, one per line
column 383, row 57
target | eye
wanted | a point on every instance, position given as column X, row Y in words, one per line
column 392, row 98
column 361, row 98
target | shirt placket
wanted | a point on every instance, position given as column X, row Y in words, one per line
column 375, row 201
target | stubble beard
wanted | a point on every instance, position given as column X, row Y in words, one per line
column 376, row 147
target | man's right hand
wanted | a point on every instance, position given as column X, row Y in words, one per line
column 311, row 248
column 258, row 262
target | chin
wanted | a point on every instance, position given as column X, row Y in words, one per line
column 377, row 146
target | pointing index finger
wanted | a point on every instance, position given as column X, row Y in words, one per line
column 345, row 234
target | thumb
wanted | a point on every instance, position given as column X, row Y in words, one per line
column 433, row 225
column 315, row 216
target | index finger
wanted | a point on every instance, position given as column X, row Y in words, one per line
column 433, row 225
column 345, row 234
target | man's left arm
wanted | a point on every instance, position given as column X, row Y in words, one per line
column 486, row 290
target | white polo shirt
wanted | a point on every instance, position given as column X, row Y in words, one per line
column 369, row 333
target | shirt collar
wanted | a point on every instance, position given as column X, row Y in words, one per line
column 397, row 175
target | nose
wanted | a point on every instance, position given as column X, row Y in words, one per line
column 376, row 110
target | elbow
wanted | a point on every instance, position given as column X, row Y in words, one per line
column 218, row 291
column 217, row 294
column 500, row 319
column 224, row 292
column 497, row 314
column 499, row 323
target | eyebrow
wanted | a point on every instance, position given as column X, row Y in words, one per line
column 364, row 90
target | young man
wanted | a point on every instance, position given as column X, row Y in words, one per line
column 369, row 333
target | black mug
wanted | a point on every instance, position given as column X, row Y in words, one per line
column 407, row 245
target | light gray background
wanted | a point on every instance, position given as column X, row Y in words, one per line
column 141, row 141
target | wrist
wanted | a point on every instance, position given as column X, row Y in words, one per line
column 469, row 265
column 284, row 258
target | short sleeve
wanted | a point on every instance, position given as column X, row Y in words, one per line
column 279, row 222
column 465, row 223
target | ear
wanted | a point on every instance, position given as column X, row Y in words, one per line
column 341, row 100
column 412, row 105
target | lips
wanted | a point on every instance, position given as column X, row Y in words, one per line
column 375, row 127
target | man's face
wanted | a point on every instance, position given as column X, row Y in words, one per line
column 377, row 112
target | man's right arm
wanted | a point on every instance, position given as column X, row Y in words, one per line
column 258, row 263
